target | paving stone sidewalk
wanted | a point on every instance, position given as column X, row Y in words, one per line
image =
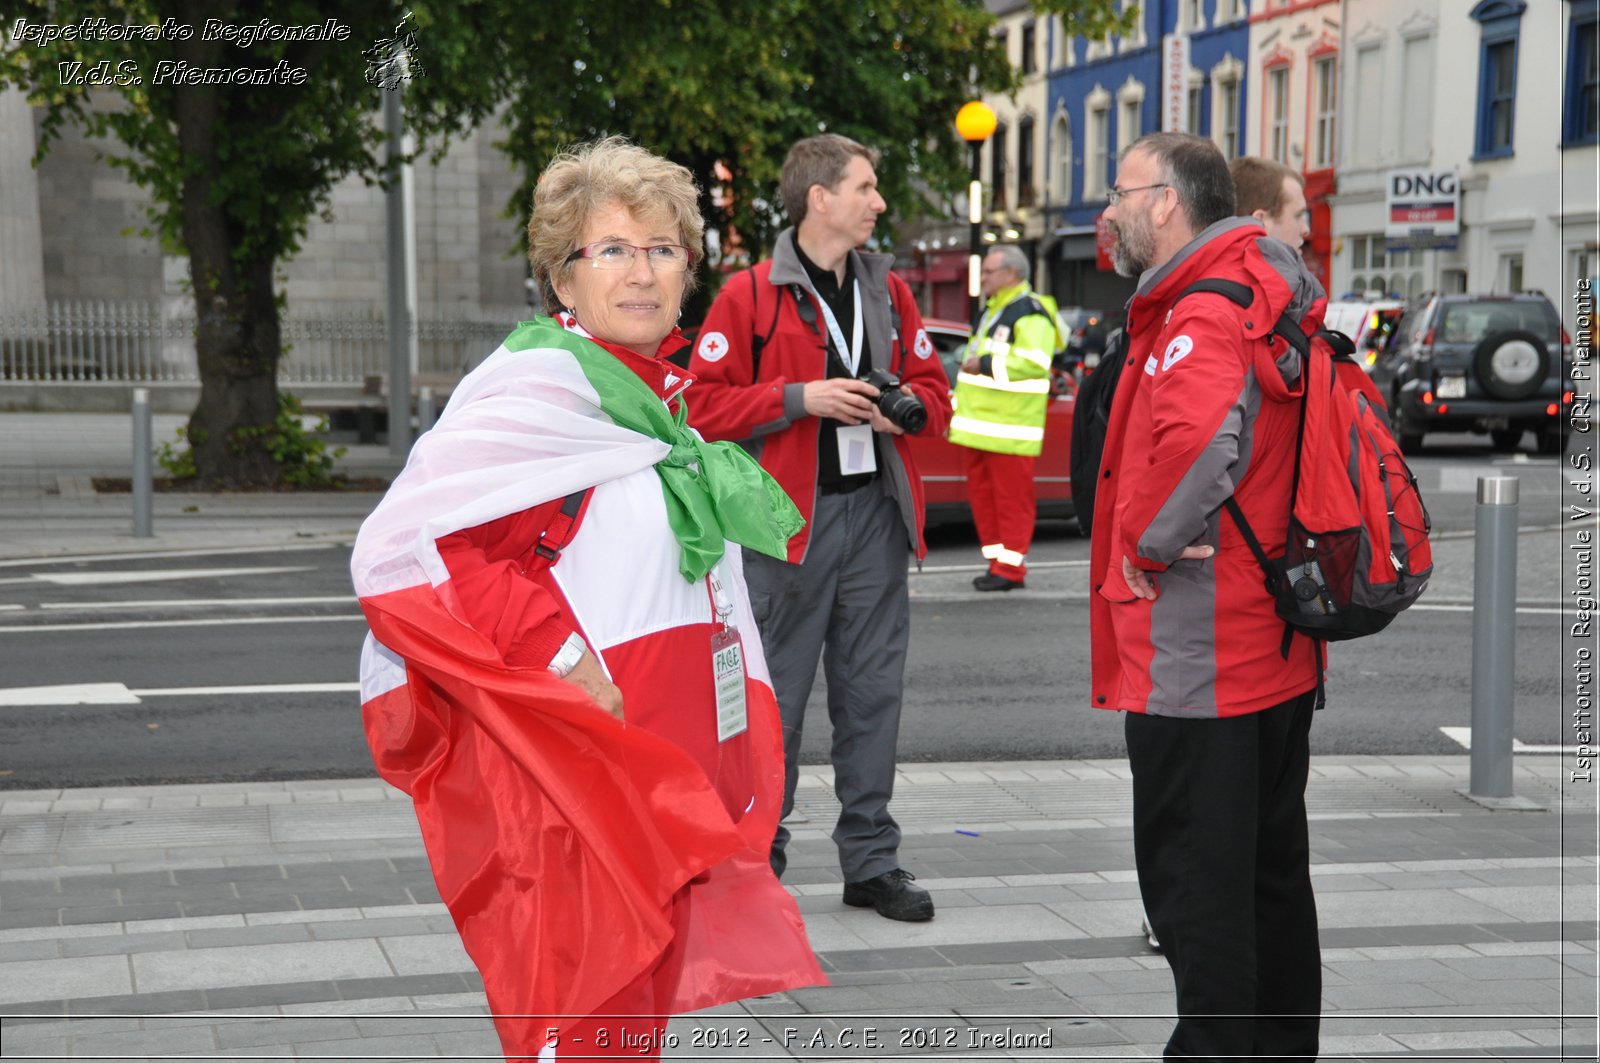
column 299, row 920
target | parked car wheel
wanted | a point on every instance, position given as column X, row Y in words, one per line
column 1511, row 365
column 1409, row 438
column 1553, row 440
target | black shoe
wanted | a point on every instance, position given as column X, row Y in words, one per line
column 893, row 895
column 990, row 582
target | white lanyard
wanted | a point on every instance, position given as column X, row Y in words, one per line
column 721, row 603
column 851, row 355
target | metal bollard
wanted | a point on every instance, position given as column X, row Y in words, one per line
column 143, row 457
column 424, row 409
column 1494, row 634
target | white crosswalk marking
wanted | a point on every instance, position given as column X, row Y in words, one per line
column 119, row 694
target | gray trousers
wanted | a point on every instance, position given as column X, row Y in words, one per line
column 847, row 603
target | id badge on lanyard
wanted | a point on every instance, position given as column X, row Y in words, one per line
column 727, row 662
column 856, row 455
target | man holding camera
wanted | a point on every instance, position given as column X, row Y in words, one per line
column 1002, row 395
column 782, row 364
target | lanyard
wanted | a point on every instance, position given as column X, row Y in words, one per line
column 851, row 355
column 721, row 603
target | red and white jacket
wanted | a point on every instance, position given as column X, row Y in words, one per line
column 563, row 840
column 1207, row 417
column 767, row 412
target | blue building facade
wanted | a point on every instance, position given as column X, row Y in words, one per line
column 1103, row 95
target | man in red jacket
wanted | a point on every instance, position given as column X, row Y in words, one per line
column 779, row 366
column 1185, row 637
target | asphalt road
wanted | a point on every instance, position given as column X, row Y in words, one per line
column 214, row 667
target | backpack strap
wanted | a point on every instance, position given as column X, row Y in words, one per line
column 758, row 343
column 1292, row 334
column 563, row 526
column 1241, row 295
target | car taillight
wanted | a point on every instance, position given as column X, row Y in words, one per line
column 1552, row 409
column 1427, row 341
column 1427, row 398
column 1566, row 337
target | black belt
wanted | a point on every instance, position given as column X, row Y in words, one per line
column 848, row 484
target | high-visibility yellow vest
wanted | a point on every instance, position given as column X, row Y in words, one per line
column 1002, row 407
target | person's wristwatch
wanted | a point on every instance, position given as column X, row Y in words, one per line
column 568, row 656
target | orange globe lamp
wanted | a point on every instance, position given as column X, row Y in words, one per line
column 976, row 123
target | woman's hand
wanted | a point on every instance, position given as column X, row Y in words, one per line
column 589, row 677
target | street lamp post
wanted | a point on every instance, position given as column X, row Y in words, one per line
column 975, row 122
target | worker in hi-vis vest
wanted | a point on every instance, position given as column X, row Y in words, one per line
column 1002, row 393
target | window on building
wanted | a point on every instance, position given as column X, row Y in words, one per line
column 1324, row 76
column 1029, row 59
column 997, row 167
column 1194, row 113
column 1137, row 38
column 1061, row 159
column 1027, row 194
column 1130, row 117
column 1499, row 98
column 1003, row 42
column 1368, row 252
column 1511, row 270
column 1225, row 99
column 1581, row 107
column 1501, row 23
column 1278, row 114
column 1367, row 86
column 1067, row 45
column 1416, row 117
column 1192, row 15
column 1097, row 163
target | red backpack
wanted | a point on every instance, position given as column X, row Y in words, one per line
column 1356, row 552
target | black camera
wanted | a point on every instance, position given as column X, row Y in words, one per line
column 900, row 406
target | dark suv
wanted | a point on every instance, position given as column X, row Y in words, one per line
column 1478, row 363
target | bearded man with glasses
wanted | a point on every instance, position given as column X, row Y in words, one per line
column 1186, row 641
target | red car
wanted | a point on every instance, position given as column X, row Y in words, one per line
column 943, row 464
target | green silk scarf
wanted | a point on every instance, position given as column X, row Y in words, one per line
column 713, row 491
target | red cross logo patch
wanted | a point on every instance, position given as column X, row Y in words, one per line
column 713, row 345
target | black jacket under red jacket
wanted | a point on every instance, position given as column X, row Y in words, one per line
column 767, row 411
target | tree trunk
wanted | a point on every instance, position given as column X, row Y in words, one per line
column 237, row 338
column 237, row 342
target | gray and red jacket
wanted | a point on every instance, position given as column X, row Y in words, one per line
column 1207, row 417
column 766, row 412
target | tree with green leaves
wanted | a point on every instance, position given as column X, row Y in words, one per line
column 238, row 140
column 239, row 119
column 733, row 83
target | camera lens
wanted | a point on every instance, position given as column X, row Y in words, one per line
column 904, row 410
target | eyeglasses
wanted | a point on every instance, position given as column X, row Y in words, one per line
column 1114, row 195
column 615, row 254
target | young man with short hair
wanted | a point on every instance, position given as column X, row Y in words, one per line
column 825, row 314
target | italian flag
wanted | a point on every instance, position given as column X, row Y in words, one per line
column 558, row 835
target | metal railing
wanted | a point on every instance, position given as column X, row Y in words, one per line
column 146, row 341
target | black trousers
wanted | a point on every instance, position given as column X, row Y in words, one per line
column 1220, row 841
